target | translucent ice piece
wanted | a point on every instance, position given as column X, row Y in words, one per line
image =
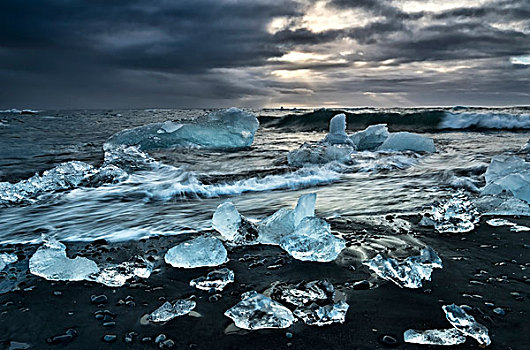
column 337, row 131
column 304, row 293
column 216, row 280
column 117, row 275
column 169, row 311
column 197, row 252
column 320, row 153
column 406, row 141
column 456, row 215
column 232, row 226
column 227, row 129
column 501, row 205
column 466, row 324
column 50, row 262
column 370, row 138
column 316, row 315
column 312, row 241
column 6, row 259
column 305, row 207
column 256, row 311
column 509, row 174
column 408, row 273
column 434, row 337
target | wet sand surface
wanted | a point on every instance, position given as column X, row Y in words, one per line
column 487, row 265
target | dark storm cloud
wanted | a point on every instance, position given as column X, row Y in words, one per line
column 119, row 53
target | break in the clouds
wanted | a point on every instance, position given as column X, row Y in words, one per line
column 207, row 53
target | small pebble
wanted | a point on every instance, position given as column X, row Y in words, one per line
column 109, row 338
column 389, row 341
column 99, row 299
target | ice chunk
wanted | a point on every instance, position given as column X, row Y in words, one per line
column 513, row 226
column 226, row 129
column 312, row 241
column 370, row 138
column 283, row 222
column 304, row 293
column 50, row 262
column 456, row 215
column 406, row 141
column 466, row 324
column 197, row 252
column 526, row 148
column 232, row 226
column 509, row 174
column 256, row 311
column 169, row 311
column 6, row 259
column 320, row 153
column 408, row 273
column 118, row 275
column 502, row 205
column 337, row 131
column 316, row 315
column 446, row 337
column 215, row 280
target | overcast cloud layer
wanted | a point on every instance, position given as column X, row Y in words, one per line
column 254, row 53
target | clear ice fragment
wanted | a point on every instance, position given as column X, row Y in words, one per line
column 304, row 293
column 216, row 280
column 316, row 315
column 118, row 275
column 6, row 259
column 370, row 138
column 337, row 131
column 312, row 241
column 232, row 226
column 406, row 141
column 169, row 311
column 466, row 324
column 445, row 337
column 257, row 311
column 320, row 153
column 456, row 215
column 197, row 252
column 508, row 174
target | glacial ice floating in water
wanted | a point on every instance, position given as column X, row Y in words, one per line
column 370, row 138
column 6, row 259
column 304, row 293
column 232, row 226
column 216, row 280
column 197, row 252
column 337, row 131
column 169, row 311
column 466, row 324
column 227, row 129
column 447, row 337
column 283, row 222
column 406, row 141
column 50, row 262
column 312, row 241
column 256, row 311
column 317, row 315
column 320, row 153
column 456, row 215
column 508, row 174
column 408, row 273
column 116, row 275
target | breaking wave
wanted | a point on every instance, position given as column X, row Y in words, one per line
column 485, row 121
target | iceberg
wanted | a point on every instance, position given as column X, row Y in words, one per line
column 50, row 262
column 456, row 215
column 226, row 129
column 445, row 337
column 337, row 131
column 406, row 141
column 466, row 324
column 508, row 174
column 370, row 138
column 320, row 153
column 216, row 280
column 169, row 311
column 197, row 252
column 316, row 315
column 256, row 311
column 6, row 259
column 283, row 222
column 118, row 275
column 312, row 241
column 408, row 273
column 233, row 227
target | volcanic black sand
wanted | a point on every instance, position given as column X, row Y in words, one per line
column 484, row 269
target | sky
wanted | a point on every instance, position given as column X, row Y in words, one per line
column 57, row 54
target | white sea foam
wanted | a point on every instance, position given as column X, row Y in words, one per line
column 485, row 120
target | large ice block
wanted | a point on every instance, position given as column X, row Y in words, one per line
column 226, row 129
column 257, row 311
column 216, row 280
column 408, row 273
column 337, row 131
column 312, row 241
column 406, row 141
column 509, row 174
column 370, row 138
column 445, row 337
column 466, row 324
column 50, row 262
column 197, row 252
column 232, row 226
column 169, row 311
